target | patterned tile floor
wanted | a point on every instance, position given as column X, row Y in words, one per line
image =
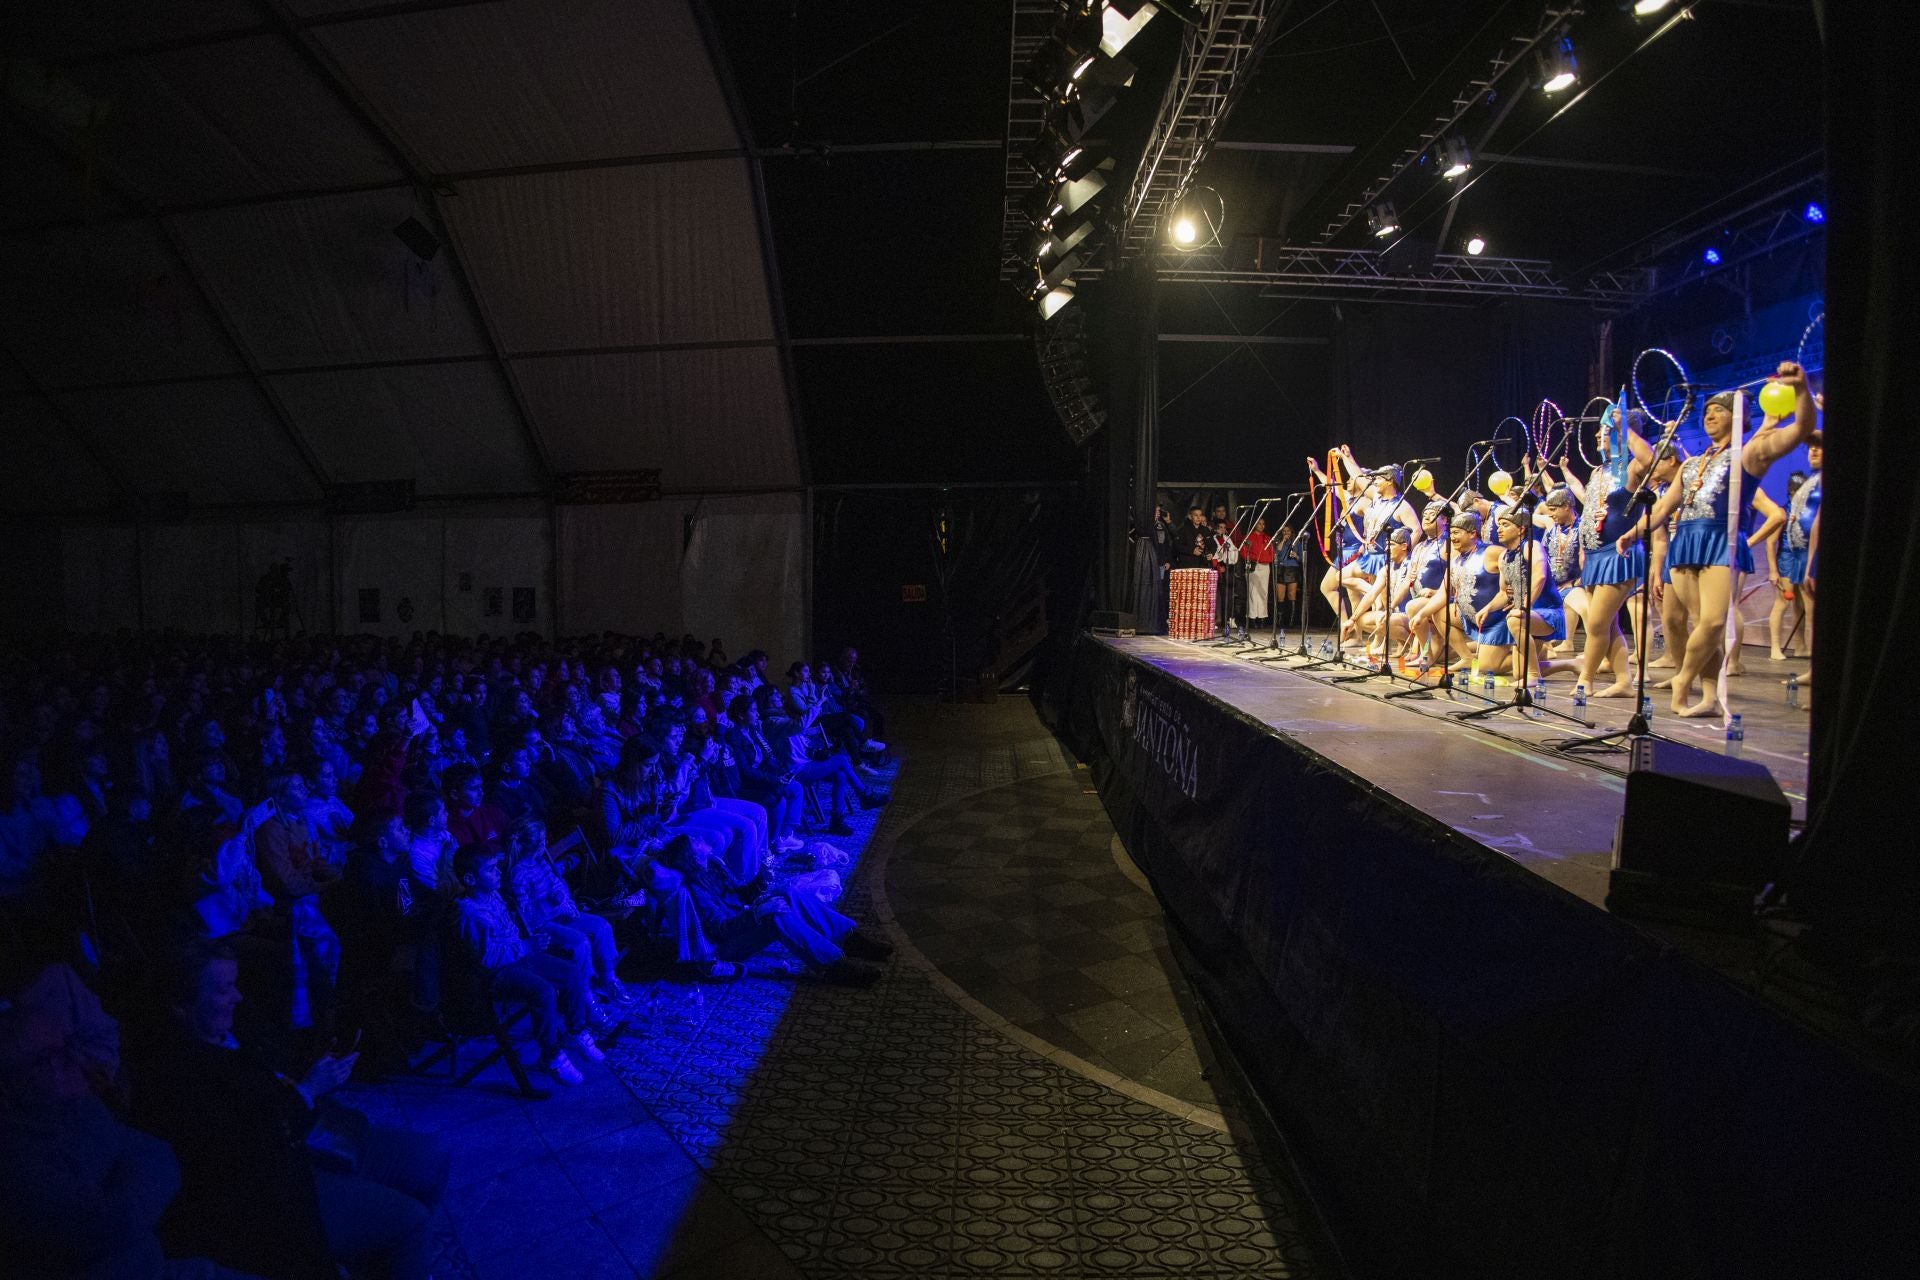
column 778, row 1128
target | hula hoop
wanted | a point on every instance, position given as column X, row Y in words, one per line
column 1543, row 421
column 1686, row 382
column 1806, row 336
column 1581, row 434
column 1509, row 447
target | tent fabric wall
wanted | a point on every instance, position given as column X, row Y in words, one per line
column 512, row 555
column 190, row 578
column 100, row 577
column 400, row 558
column 732, row 567
column 31, row 584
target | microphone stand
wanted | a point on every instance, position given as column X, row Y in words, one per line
column 1276, row 655
column 1522, row 700
column 1246, row 640
column 1224, row 608
column 1637, row 726
column 1341, row 605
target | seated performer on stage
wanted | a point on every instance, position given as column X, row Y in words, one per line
column 1348, row 503
column 1383, row 617
column 1699, row 555
column 1788, row 553
column 1524, row 577
column 1428, row 599
column 1256, row 552
column 1476, row 580
column 1560, row 539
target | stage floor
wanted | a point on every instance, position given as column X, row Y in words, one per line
column 1496, row 780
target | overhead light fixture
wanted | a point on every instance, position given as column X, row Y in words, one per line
column 1121, row 22
column 1455, row 159
column 1711, row 257
column 1383, row 220
column 1476, row 246
column 1196, row 219
column 1647, row 8
column 1558, row 67
column 1814, row 213
column 1055, row 298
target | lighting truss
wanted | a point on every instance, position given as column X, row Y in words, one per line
column 1322, row 272
column 1033, row 22
column 1744, row 243
column 1513, row 52
column 1217, row 59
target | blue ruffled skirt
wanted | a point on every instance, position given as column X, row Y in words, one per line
column 1700, row 544
column 1606, row 566
column 1793, row 564
column 1555, row 614
column 1371, row 563
column 1495, row 632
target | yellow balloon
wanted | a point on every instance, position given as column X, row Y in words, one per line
column 1423, row 481
column 1777, row 399
column 1498, row 483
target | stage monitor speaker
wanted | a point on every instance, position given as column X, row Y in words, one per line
column 1703, row 833
column 1110, row 622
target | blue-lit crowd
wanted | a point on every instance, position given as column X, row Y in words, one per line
column 236, row 875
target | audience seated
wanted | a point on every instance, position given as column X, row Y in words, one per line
column 306, row 834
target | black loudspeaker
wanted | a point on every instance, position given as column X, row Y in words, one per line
column 1109, row 622
column 1702, row 835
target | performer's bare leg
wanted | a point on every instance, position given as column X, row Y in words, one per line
column 1605, row 641
column 1712, row 589
column 1674, row 620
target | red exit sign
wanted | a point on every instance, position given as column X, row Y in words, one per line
column 913, row 593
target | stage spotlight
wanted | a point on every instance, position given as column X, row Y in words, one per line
column 1120, row 23
column 1814, row 213
column 1055, row 298
column 1476, row 246
column 1185, row 232
column 1647, row 8
column 1069, row 196
column 1711, row 257
column 1558, row 67
column 1383, row 220
column 1455, row 159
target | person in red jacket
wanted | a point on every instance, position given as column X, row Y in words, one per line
column 471, row 819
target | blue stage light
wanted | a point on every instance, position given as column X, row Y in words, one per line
column 1712, row 256
column 1815, row 213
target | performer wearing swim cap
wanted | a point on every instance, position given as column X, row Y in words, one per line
column 1527, row 596
column 1476, row 581
column 1383, row 617
column 1608, row 576
column 1560, row 539
column 1699, row 555
column 1428, row 599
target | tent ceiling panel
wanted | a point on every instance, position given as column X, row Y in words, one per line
column 241, row 118
column 217, row 441
column 45, row 185
column 708, row 419
column 523, row 82
column 325, row 281
column 46, row 468
column 659, row 253
column 81, row 28
column 105, row 304
column 450, row 427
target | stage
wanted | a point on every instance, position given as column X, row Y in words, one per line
column 1498, row 780
column 1398, row 921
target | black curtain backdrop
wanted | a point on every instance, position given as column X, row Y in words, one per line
column 1857, row 876
column 1410, row 381
column 1007, row 550
column 1123, row 320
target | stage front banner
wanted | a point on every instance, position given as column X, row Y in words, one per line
column 1487, row 1075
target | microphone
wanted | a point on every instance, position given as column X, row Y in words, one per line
column 1414, row 462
